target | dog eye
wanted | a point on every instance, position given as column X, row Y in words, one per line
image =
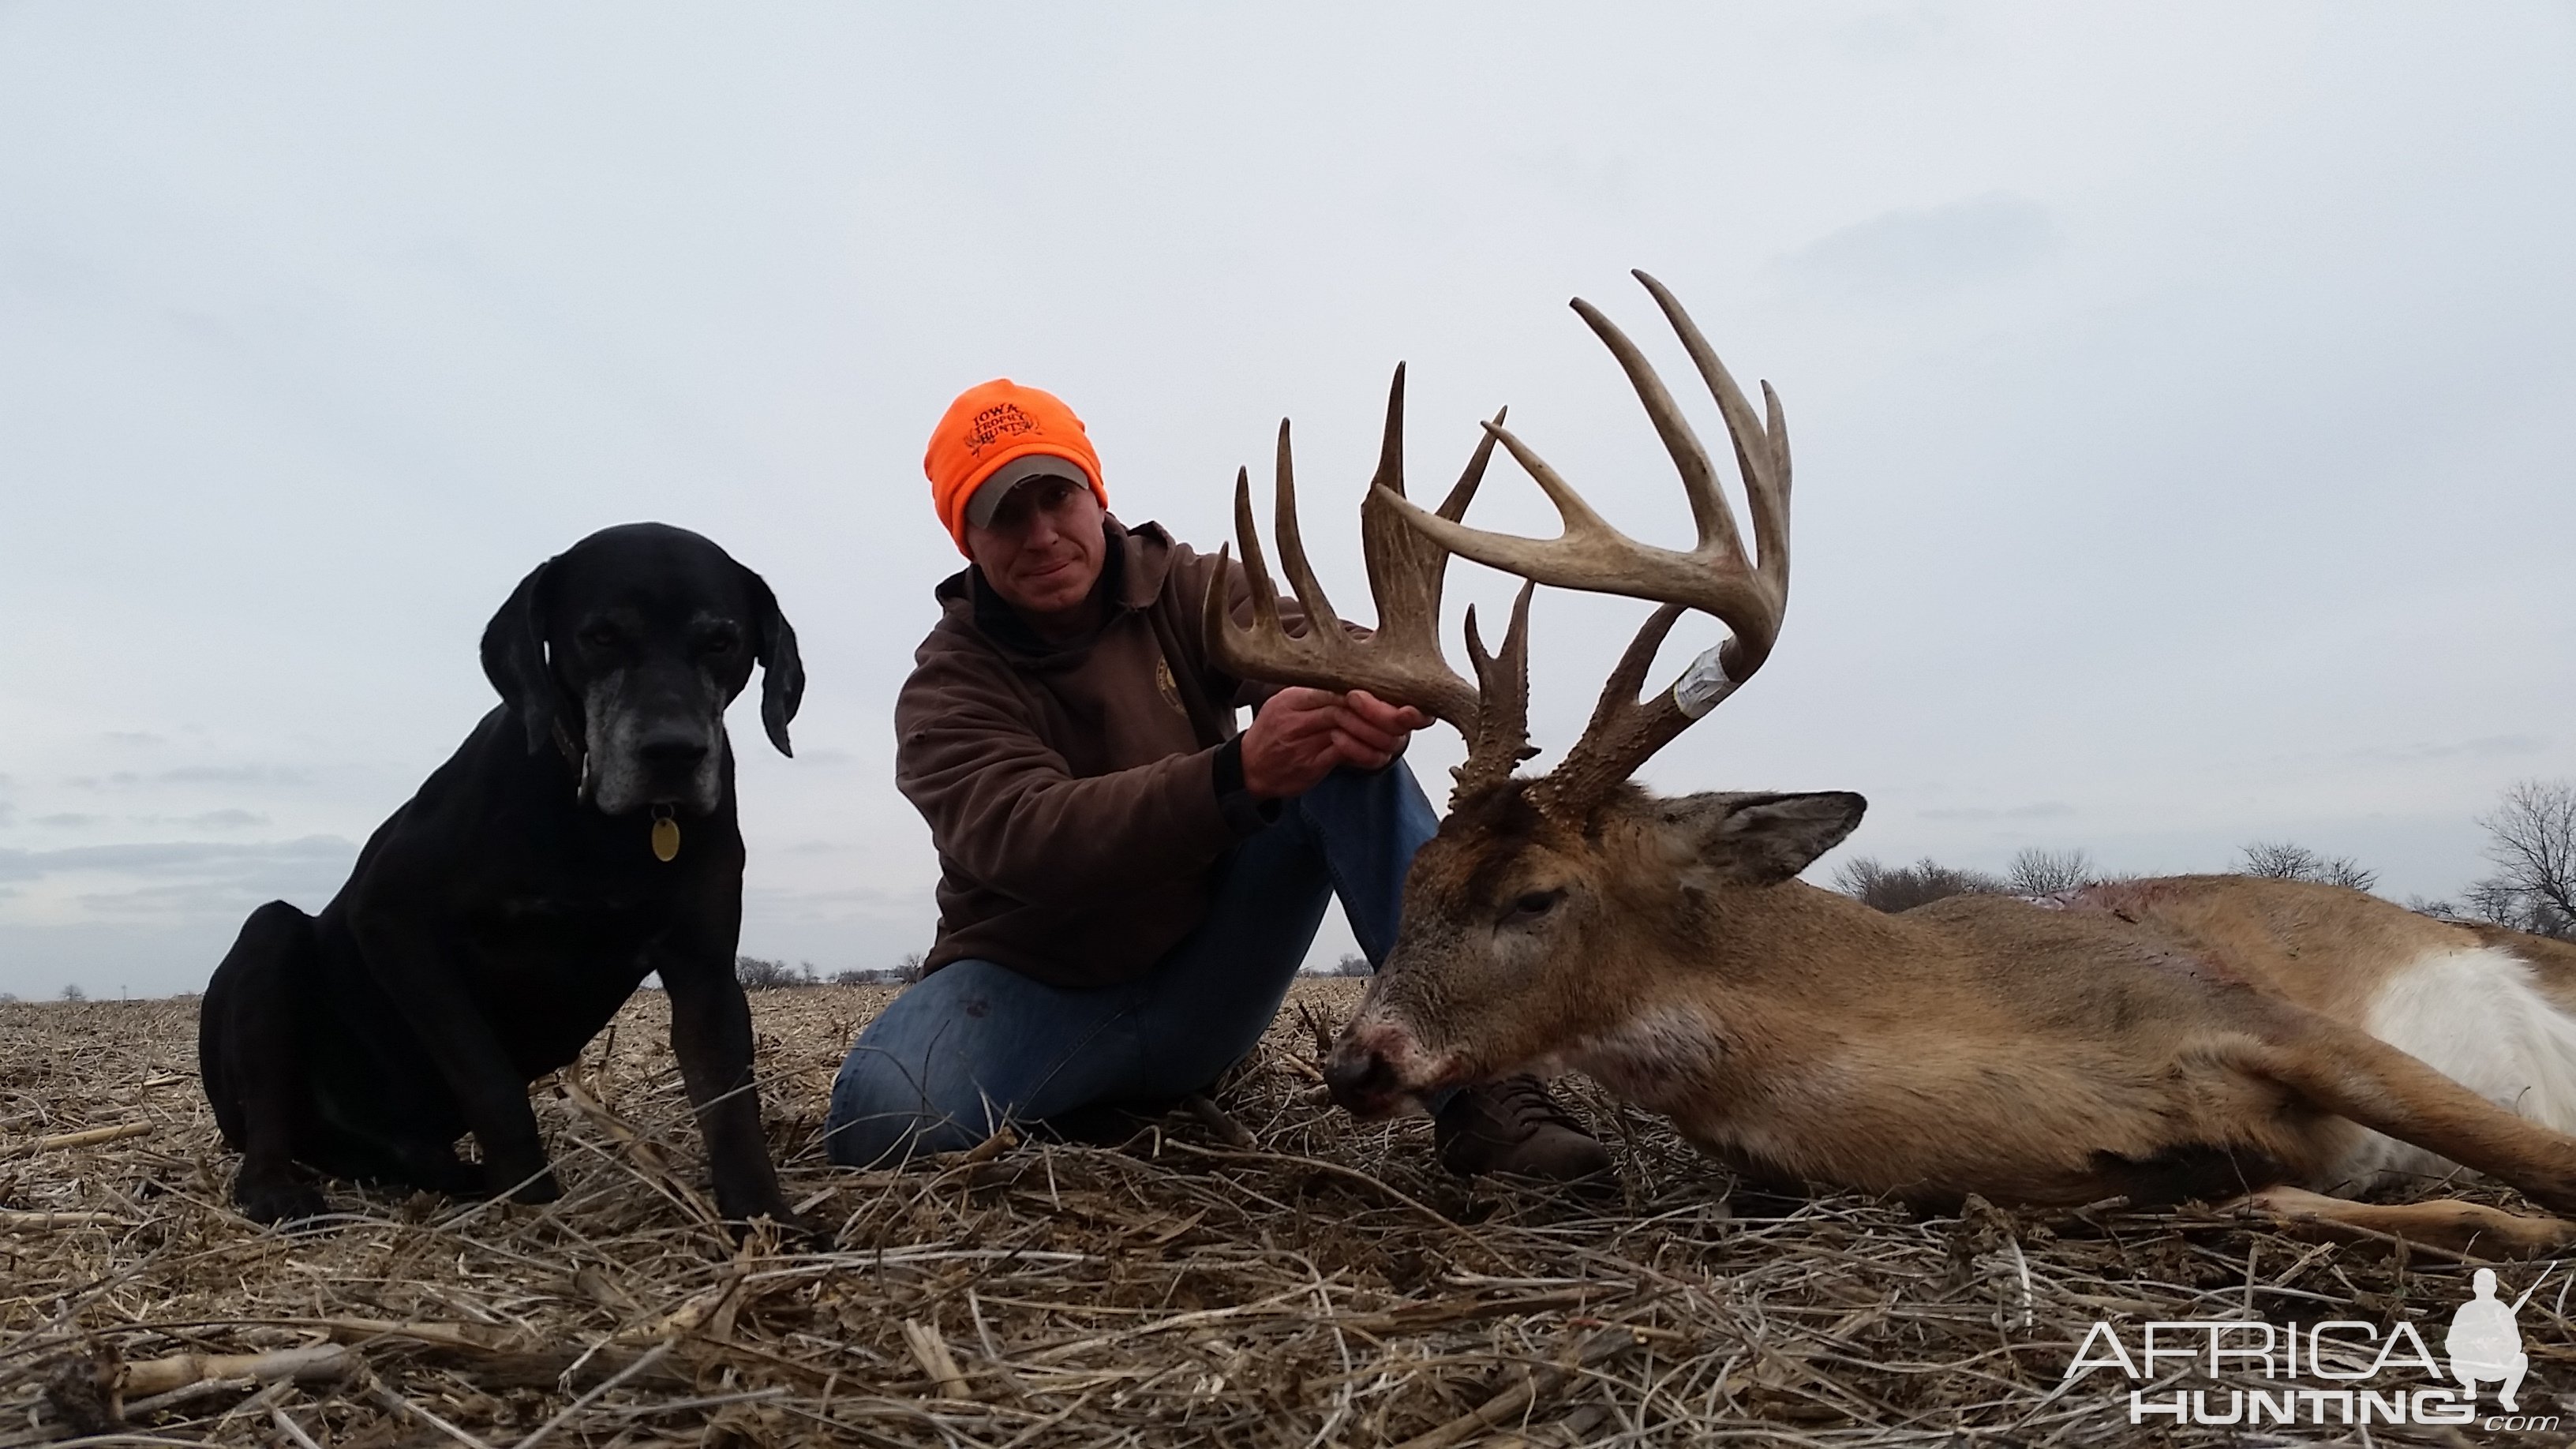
column 1532, row 905
column 599, row 636
column 720, row 643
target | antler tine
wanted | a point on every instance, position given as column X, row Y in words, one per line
column 1501, row 740
column 1593, row 556
column 1401, row 662
column 1265, row 595
column 1400, row 560
column 1624, row 731
column 1454, row 507
column 1749, row 594
column 1765, row 469
column 1619, row 693
column 1292, row 548
column 1709, row 509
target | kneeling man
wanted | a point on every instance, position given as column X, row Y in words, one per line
column 1127, row 885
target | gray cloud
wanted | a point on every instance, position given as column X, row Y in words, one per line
column 1929, row 250
column 226, row 820
column 177, row 857
column 2485, row 747
column 67, row 820
column 262, row 776
column 2038, row 810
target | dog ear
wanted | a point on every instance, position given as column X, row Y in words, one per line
column 514, row 658
column 782, row 672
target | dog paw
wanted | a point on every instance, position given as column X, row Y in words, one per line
column 276, row 1202
column 791, row 1230
column 540, row 1188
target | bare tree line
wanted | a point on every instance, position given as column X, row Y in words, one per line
column 2531, row 845
column 758, row 973
column 2531, row 842
column 2033, row 872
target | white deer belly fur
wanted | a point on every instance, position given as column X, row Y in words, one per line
column 2475, row 1017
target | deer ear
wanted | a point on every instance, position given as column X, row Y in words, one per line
column 1763, row 839
column 782, row 670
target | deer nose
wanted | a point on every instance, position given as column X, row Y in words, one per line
column 1360, row 1078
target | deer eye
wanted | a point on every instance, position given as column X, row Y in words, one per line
column 1531, row 905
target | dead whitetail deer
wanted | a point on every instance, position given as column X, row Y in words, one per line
column 2207, row 1037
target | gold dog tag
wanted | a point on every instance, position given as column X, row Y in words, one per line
column 666, row 839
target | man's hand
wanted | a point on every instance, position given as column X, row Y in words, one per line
column 1302, row 735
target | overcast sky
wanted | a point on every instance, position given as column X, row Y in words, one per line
column 2181, row 395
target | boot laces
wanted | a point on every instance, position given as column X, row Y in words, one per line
column 1525, row 1103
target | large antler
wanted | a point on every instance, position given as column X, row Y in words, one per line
column 1400, row 661
column 1715, row 577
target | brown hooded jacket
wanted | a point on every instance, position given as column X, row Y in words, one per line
column 1081, row 795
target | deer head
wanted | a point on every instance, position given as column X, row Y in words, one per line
column 1530, row 916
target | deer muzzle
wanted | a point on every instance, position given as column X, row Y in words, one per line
column 1362, row 1080
column 1378, row 1069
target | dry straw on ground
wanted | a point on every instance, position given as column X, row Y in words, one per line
column 1260, row 1272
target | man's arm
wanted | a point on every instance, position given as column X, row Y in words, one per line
column 1009, row 811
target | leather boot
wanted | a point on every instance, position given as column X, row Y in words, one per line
column 1514, row 1127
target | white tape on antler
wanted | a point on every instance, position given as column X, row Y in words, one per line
column 1703, row 684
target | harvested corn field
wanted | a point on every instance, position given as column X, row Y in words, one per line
column 1257, row 1270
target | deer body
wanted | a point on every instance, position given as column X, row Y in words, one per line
column 2127, row 1042
column 2204, row 1037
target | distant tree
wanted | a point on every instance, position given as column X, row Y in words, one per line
column 7, row 996
column 2037, row 872
column 2288, row 860
column 758, row 974
column 1353, row 964
column 857, row 976
column 74, row 993
column 1903, row 887
column 2531, row 841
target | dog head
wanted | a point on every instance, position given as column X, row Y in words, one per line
column 624, row 650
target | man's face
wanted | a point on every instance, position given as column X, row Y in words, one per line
column 1043, row 550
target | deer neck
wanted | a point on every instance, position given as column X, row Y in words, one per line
column 1748, row 976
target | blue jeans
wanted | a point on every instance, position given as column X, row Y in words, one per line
column 976, row 1044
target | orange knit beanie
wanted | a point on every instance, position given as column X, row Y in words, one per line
column 992, row 425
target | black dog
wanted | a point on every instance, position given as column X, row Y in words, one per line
column 583, row 836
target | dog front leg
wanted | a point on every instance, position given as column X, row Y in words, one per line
column 711, row 1035
column 414, row 966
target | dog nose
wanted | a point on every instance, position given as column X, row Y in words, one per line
column 1360, row 1079
column 672, row 752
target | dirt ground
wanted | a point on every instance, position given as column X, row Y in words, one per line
column 1272, row 1273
